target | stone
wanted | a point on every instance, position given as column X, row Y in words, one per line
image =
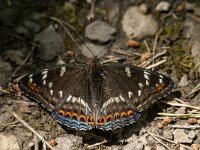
column 181, row 110
column 68, row 142
column 94, row 48
column 5, row 72
column 184, row 81
column 15, row 56
column 160, row 147
column 114, row 14
column 8, row 142
column 180, row 136
column 191, row 134
column 137, row 25
column 51, row 43
column 134, row 145
column 100, row 31
column 143, row 8
column 168, row 134
column 192, row 30
column 163, row 6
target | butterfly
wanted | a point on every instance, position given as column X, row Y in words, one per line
column 95, row 95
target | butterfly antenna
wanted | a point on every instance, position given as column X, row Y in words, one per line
column 84, row 43
column 109, row 44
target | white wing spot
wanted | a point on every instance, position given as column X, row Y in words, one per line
column 44, row 82
column 146, row 76
column 69, row 98
column 45, row 71
column 74, row 99
column 147, row 82
column 50, row 85
column 141, row 85
column 30, row 78
column 139, row 93
column 128, row 71
column 44, row 76
column 122, row 99
column 117, row 99
column 60, row 93
column 160, row 80
column 130, row 94
column 161, row 76
column 63, row 69
column 51, row 92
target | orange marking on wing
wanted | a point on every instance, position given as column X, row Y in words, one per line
column 159, row 87
column 33, row 87
column 108, row 118
column 82, row 118
column 116, row 116
column 130, row 112
column 75, row 116
column 61, row 112
column 68, row 114
column 123, row 114
column 100, row 120
column 90, row 120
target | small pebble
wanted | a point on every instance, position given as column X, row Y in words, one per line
column 163, row 6
column 191, row 135
column 192, row 121
column 134, row 43
column 184, row 81
column 143, row 8
column 168, row 135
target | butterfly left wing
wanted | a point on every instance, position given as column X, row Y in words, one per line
column 128, row 90
column 64, row 92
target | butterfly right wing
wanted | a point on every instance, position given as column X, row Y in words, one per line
column 64, row 92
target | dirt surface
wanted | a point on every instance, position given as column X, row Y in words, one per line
column 41, row 34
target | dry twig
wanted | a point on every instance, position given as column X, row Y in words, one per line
column 32, row 130
column 191, row 127
column 158, row 140
column 97, row 144
column 24, row 61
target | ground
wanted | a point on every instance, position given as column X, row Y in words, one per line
column 162, row 36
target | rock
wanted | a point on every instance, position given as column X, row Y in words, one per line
column 160, row 147
column 5, row 72
column 147, row 148
column 168, row 135
column 192, row 30
column 180, row 136
column 114, row 14
column 163, row 6
column 68, row 142
column 94, row 48
column 133, row 146
column 8, row 142
column 22, row 30
column 184, row 81
column 100, row 31
column 32, row 26
column 143, row 8
column 15, row 56
column 191, row 135
column 137, row 25
column 181, row 110
column 151, row 140
column 196, row 54
column 51, row 43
